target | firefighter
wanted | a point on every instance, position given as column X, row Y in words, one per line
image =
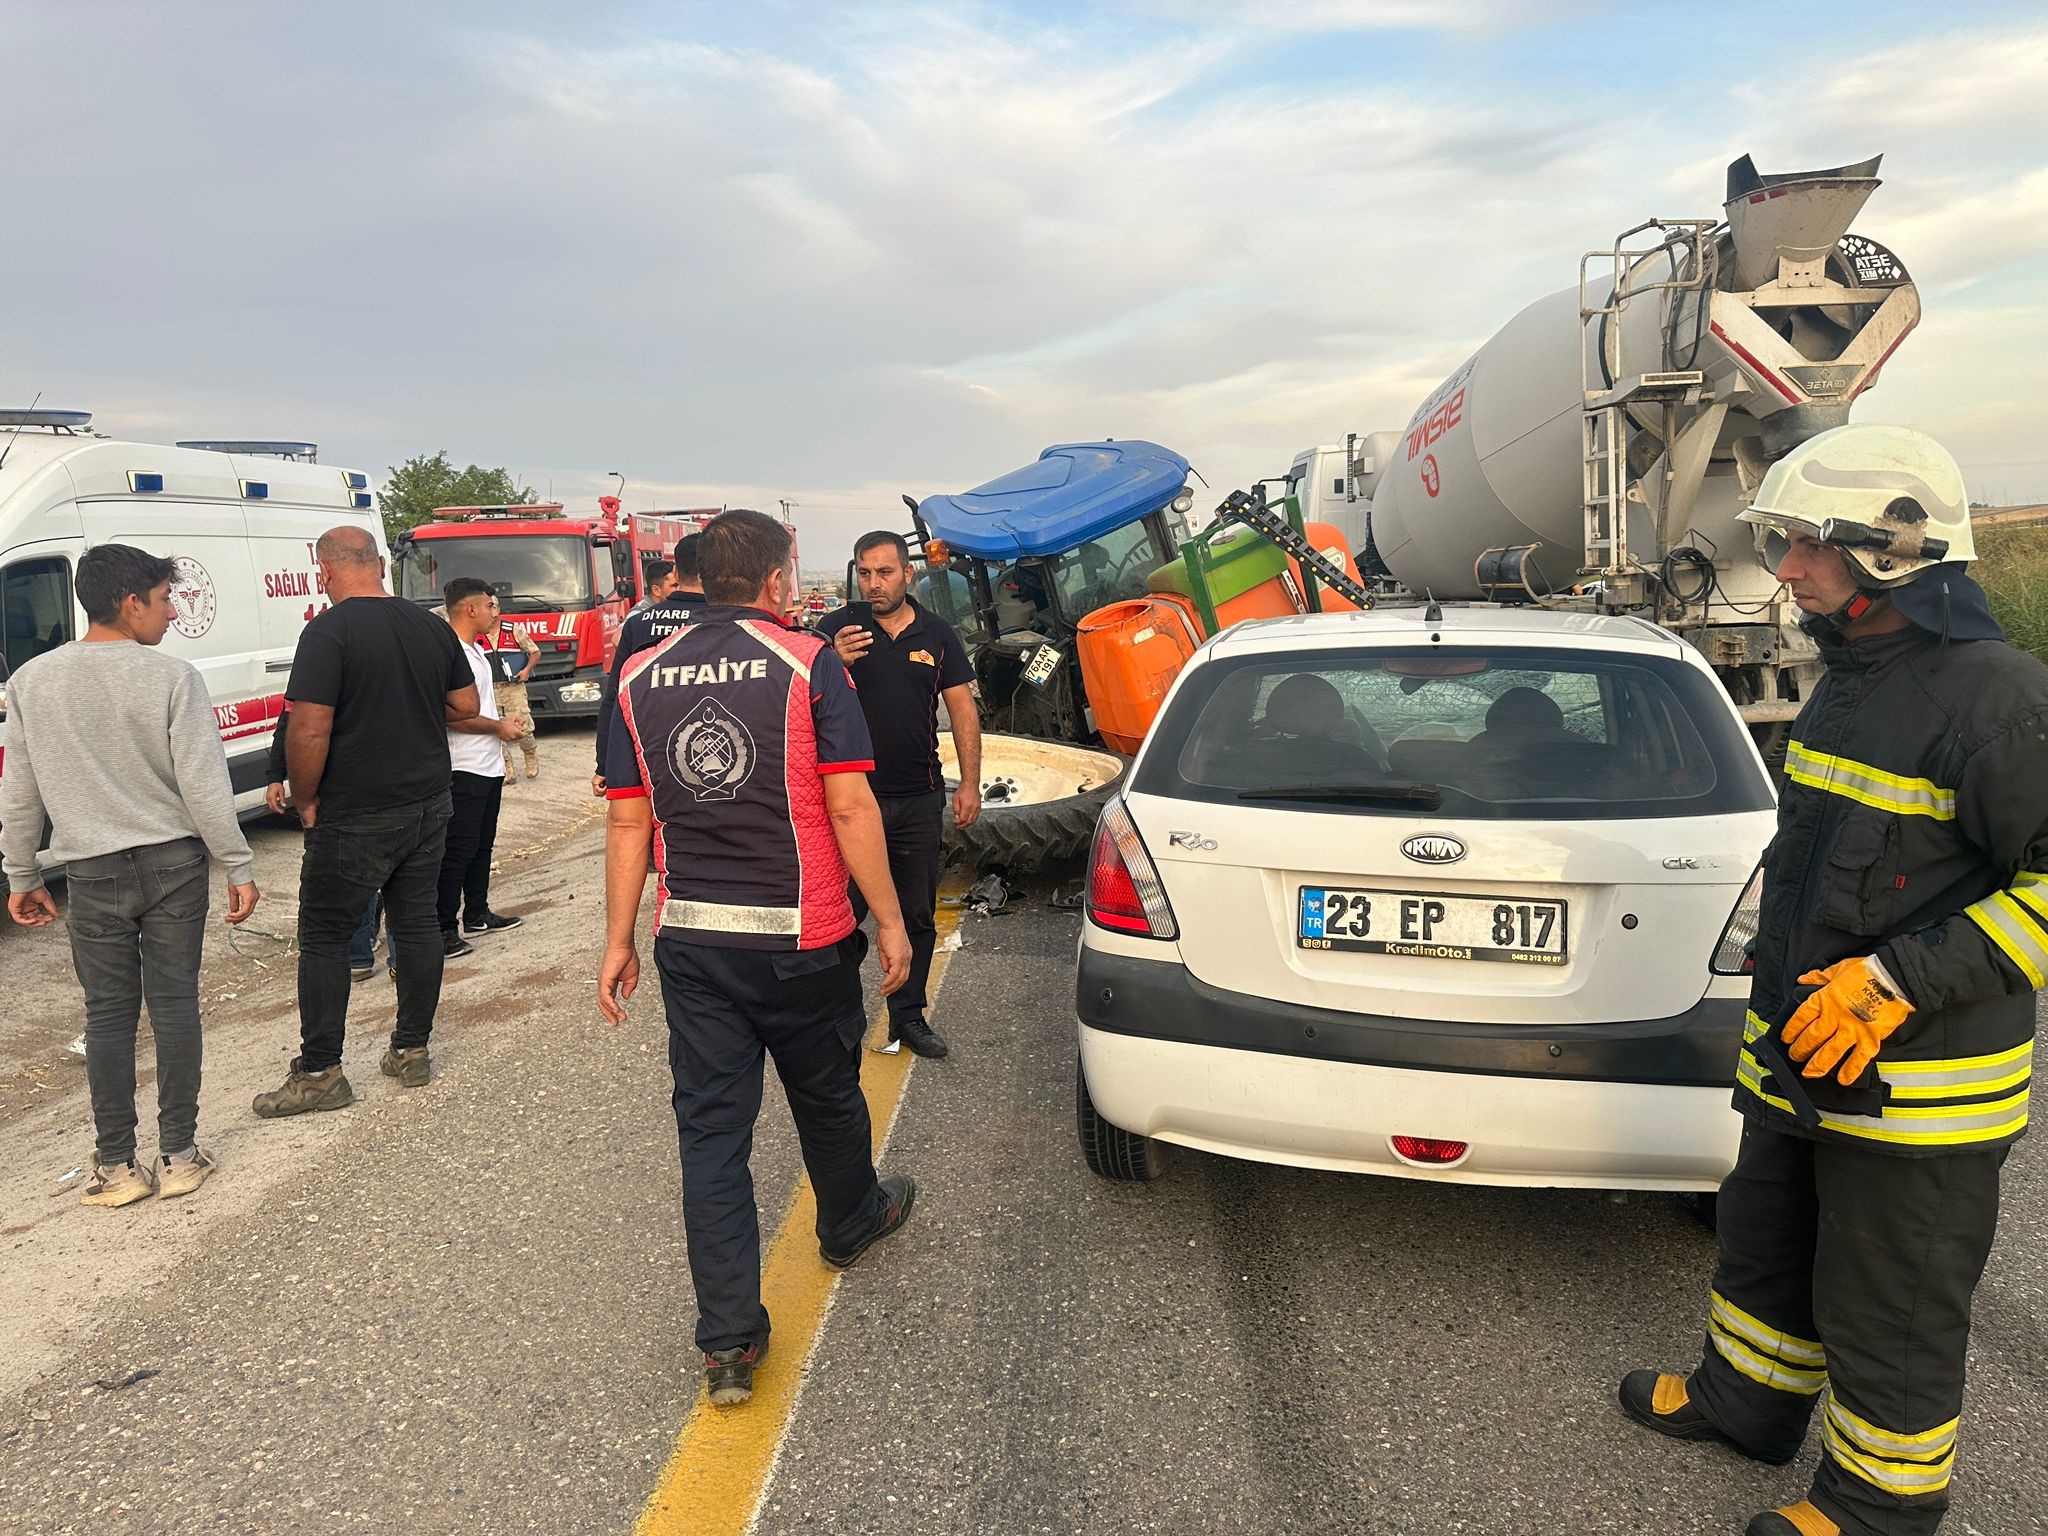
column 1885, row 1066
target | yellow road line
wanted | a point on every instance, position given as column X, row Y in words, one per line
column 723, row 1458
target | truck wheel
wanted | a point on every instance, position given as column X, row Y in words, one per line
column 1109, row 1151
column 1039, row 802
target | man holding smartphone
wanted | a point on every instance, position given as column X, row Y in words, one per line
column 904, row 659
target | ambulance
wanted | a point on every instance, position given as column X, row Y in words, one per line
column 238, row 519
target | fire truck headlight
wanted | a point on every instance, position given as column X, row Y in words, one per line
column 581, row 693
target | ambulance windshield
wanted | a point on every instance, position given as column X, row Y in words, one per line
column 541, row 571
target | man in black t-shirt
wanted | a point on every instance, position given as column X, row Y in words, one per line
column 904, row 659
column 649, row 624
column 375, row 684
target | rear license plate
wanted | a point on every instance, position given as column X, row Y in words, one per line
column 1432, row 926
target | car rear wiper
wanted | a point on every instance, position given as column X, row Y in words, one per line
column 1426, row 796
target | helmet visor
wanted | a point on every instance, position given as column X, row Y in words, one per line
column 1773, row 534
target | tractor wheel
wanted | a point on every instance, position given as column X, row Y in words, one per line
column 1039, row 802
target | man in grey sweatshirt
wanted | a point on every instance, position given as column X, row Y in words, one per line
column 116, row 745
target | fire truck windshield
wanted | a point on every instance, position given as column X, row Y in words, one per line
column 541, row 570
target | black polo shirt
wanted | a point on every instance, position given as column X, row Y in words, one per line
column 900, row 680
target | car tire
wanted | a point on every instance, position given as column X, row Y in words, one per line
column 1110, row 1151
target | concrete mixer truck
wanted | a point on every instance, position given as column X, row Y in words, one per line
column 1603, row 441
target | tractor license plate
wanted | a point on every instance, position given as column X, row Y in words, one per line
column 1432, row 926
column 1039, row 669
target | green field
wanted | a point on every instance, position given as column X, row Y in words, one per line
column 2012, row 565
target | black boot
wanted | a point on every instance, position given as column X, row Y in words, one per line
column 1800, row 1519
column 1664, row 1403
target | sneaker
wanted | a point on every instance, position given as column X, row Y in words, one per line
column 490, row 922
column 305, row 1091
column 182, row 1174
column 361, row 972
column 729, row 1373
column 922, row 1039
column 1663, row 1402
column 454, row 945
column 122, row 1184
column 409, row 1066
column 902, row 1193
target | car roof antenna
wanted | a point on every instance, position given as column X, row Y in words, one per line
column 1434, row 613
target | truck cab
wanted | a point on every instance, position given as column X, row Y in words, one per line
column 566, row 582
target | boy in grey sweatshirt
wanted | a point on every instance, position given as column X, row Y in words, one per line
column 116, row 745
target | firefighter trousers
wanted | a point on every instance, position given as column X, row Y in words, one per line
column 1844, row 1281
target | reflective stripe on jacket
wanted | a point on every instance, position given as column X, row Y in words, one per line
column 1913, row 824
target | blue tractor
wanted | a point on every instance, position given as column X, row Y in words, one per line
column 1016, row 564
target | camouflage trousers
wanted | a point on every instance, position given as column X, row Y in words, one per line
column 512, row 705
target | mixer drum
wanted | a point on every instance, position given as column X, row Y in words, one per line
column 1492, row 456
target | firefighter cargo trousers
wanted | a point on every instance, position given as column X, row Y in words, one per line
column 1846, row 1273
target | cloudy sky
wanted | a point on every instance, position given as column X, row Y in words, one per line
column 743, row 251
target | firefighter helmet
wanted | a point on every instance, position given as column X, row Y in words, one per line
column 1891, row 499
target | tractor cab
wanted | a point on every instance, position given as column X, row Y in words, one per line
column 1018, row 563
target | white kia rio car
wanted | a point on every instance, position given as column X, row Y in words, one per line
column 1458, row 894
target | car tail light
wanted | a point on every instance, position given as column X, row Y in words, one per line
column 1428, row 1150
column 1735, row 955
column 1124, row 893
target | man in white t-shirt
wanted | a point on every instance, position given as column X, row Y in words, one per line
column 478, row 783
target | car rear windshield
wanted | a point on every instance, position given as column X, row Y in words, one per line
column 1546, row 735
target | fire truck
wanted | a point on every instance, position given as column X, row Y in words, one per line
column 566, row 581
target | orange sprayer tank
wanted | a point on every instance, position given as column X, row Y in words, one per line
column 1130, row 654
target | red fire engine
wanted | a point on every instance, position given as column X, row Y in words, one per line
column 568, row 582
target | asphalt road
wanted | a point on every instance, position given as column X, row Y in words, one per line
column 465, row 1309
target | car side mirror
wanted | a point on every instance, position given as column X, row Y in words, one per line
column 623, row 589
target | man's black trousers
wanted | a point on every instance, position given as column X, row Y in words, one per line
column 914, row 826
column 348, row 860
column 472, row 833
column 726, row 1007
column 1849, row 1271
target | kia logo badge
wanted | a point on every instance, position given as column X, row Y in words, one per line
column 1434, row 849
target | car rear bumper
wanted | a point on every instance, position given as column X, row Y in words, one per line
column 1327, row 1114
column 1639, row 1106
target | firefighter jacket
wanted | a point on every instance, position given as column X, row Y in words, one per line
column 1913, row 825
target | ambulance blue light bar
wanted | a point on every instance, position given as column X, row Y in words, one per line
column 363, row 500
column 357, row 480
column 144, row 482
column 255, row 490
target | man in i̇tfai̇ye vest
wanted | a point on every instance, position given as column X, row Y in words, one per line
column 1886, row 1063
column 738, row 757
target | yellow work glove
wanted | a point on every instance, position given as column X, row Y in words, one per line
column 1854, row 1012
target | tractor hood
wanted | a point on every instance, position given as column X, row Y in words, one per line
column 1071, row 493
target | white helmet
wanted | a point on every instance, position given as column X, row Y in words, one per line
column 1891, row 499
